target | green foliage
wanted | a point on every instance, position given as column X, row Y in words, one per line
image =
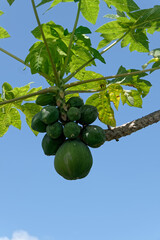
column 10, row 1
column 72, row 52
column 9, row 114
column 3, row 32
column 123, row 5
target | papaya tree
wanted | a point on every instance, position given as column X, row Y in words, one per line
column 63, row 59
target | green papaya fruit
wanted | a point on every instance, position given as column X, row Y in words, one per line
column 75, row 102
column 73, row 114
column 94, row 136
column 49, row 114
column 71, row 130
column 73, row 160
column 54, row 130
column 50, row 145
column 89, row 114
column 46, row 99
column 37, row 123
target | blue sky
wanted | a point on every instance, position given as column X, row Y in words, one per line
column 120, row 198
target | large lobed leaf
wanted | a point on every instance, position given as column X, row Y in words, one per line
column 102, row 102
column 10, row 1
column 3, row 32
column 9, row 114
column 123, row 5
column 133, row 31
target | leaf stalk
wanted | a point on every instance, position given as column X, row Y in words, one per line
column 46, row 44
column 23, row 62
column 46, row 90
column 109, row 77
column 71, row 39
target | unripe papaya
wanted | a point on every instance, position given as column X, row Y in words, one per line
column 46, row 99
column 37, row 123
column 73, row 160
column 93, row 135
column 49, row 114
column 71, row 130
column 75, row 102
column 89, row 114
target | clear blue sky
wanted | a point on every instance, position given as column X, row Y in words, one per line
column 120, row 198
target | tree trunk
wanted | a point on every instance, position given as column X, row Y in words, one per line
column 129, row 128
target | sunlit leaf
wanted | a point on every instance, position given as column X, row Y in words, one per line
column 123, row 5
column 102, row 102
column 90, row 10
column 10, row 1
column 132, row 98
column 3, row 33
column 30, row 109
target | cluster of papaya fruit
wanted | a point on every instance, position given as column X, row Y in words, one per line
column 68, row 140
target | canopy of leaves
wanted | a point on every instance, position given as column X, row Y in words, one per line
column 9, row 113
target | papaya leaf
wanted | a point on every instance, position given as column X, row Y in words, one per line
column 85, row 75
column 6, row 91
column 79, row 57
column 137, row 40
column 9, row 115
column 150, row 61
column 143, row 86
column 5, row 122
column 156, row 64
column 114, row 91
column 50, row 29
column 30, row 109
column 155, row 53
column 82, row 30
column 10, row 2
column 136, row 28
column 102, row 102
column 15, row 118
column 90, row 10
column 97, row 55
column 3, row 33
column 43, row 2
column 123, row 5
column 132, row 98
column 39, row 59
column 54, row 3
column 113, row 30
column 147, row 19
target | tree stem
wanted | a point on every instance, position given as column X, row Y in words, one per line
column 71, row 39
column 46, row 90
column 114, row 43
column 109, row 77
column 46, row 44
column 133, row 126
